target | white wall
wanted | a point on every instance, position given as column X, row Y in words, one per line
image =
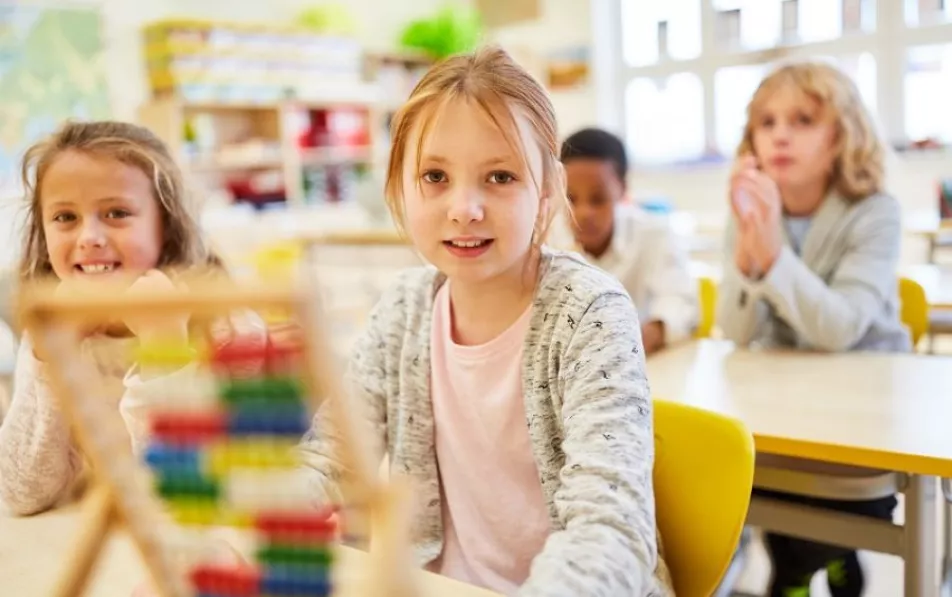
column 564, row 23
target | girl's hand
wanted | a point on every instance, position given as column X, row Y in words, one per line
column 169, row 328
column 65, row 288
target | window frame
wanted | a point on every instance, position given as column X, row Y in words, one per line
column 888, row 44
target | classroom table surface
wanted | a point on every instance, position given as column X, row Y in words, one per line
column 886, row 411
column 936, row 281
column 34, row 550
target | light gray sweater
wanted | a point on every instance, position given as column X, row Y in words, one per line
column 839, row 294
column 588, row 411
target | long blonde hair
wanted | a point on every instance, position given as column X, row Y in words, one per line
column 492, row 80
column 859, row 166
column 182, row 243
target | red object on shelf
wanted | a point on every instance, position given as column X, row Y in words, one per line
column 188, row 428
column 335, row 127
column 226, row 581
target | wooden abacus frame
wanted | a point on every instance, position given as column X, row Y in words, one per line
column 117, row 499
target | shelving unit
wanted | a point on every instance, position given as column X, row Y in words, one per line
column 269, row 153
column 269, row 115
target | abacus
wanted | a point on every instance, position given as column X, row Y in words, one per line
column 223, row 451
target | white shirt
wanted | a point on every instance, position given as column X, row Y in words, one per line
column 648, row 259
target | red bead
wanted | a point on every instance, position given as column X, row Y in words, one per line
column 317, row 526
column 188, row 428
column 226, row 581
column 240, row 356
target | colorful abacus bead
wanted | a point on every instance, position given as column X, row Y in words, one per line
column 235, row 462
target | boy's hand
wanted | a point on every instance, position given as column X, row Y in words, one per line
column 652, row 336
column 756, row 203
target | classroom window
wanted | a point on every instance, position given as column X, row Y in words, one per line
column 656, row 31
column 862, row 69
column 928, row 87
column 733, row 88
column 665, row 119
column 663, row 41
column 748, row 24
column 923, row 13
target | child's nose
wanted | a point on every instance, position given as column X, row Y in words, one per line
column 466, row 205
column 781, row 133
column 92, row 235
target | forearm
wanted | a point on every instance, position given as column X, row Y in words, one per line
column 38, row 461
column 826, row 318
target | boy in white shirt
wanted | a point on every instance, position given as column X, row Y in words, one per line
column 639, row 249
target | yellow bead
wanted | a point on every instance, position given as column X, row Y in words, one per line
column 165, row 355
column 193, row 512
column 251, row 453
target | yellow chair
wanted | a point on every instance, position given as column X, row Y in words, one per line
column 707, row 299
column 703, row 476
column 278, row 261
column 913, row 308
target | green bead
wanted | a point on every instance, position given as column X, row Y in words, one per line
column 269, row 389
column 190, row 486
column 277, row 554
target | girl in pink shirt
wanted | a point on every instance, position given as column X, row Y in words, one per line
column 506, row 380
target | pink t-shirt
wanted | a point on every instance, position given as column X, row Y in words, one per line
column 495, row 517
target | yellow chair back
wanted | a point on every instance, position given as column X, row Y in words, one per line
column 913, row 308
column 278, row 261
column 707, row 299
column 703, row 476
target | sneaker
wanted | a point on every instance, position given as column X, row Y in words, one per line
column 845, row 576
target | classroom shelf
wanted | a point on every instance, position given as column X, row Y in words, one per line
column 235, row 146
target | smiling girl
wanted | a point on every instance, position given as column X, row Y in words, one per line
column 105, row 202
column 506, row 380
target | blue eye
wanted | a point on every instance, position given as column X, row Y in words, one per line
column 502, row 177
column 434, row 176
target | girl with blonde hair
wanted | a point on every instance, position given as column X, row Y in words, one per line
column 105, row 203
column 810, row 259
column 507, row 380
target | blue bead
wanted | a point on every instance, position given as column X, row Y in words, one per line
column 295, row 581
column 268, row 420
column 173, row 459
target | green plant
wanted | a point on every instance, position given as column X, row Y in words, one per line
column 453, row 30
column 332, row 18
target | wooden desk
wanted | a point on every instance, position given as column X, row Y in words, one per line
column 879, row 411
column 33, row 550
column 372, row 237
column 883, row 411
column 936, row 280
